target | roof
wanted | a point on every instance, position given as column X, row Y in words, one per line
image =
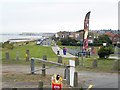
column 110, row 34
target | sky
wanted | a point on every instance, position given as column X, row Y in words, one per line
column 56, row 15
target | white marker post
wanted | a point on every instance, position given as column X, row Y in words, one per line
column 72, row 70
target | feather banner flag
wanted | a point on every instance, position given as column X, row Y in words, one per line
column 86, row 30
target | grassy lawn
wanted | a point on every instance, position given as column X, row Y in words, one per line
column 35, row 51
column 104, row 65
column 38, row 52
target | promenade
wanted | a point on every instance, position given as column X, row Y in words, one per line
column 56, row 48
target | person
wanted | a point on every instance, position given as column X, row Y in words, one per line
column 88, row 53
column 58, row 52
column 84, row 52
column 64, row 50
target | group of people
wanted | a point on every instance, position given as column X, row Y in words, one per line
column 85, row 52
column 88, row 52
column 64, row 51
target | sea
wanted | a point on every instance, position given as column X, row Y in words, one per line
column 19, row 37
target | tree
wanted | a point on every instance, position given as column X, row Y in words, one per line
column 69, row 41
column 104, row 52
column 102, row 39
column 8, row 45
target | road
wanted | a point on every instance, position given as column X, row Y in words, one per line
column 98, row 79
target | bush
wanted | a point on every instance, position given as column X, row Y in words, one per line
column 59, row 43
column 118, row 45
column 104, row 52
column 7, row 45
column 69, row 42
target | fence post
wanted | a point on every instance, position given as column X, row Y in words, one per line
column 59, row 59
column 76, row 61
column 44, row 57
column 32, row 66
column 67, row 75
column 43, row 70
column 7, row 56
column 40, row 86
column 94, row 63
column 75, row 79
column 17, row 56
column 27, row 55
column 116, row 65
column 14, row 88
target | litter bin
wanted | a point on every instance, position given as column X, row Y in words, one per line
column 56, row 82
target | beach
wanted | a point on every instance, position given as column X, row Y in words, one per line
column 21, row 37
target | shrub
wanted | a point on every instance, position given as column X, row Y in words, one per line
column 118, row 45
column 104, row 52
column 59, row 43
column 7, row 45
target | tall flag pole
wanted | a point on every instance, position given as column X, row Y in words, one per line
column 85, row 35
column 86, row 30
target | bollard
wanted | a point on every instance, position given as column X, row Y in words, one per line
column 59, row 59
column 75, row 79
column 94, row 63
column 40, row 86
column 44, row 57
column 72, row 70
column 43, row 70
column 32, row 66
column 7, row 56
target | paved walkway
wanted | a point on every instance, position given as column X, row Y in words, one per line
column 56, row 48
column 114, row 56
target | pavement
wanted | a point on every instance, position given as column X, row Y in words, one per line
column 114, row 57
column 85, row 78
column 56, row 48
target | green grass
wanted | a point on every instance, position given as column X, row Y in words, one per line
column 38, row 52
column 35, row 51
column 104, row 65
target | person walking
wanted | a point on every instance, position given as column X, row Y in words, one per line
column 64, row 51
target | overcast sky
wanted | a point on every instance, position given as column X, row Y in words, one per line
column 56, row 15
